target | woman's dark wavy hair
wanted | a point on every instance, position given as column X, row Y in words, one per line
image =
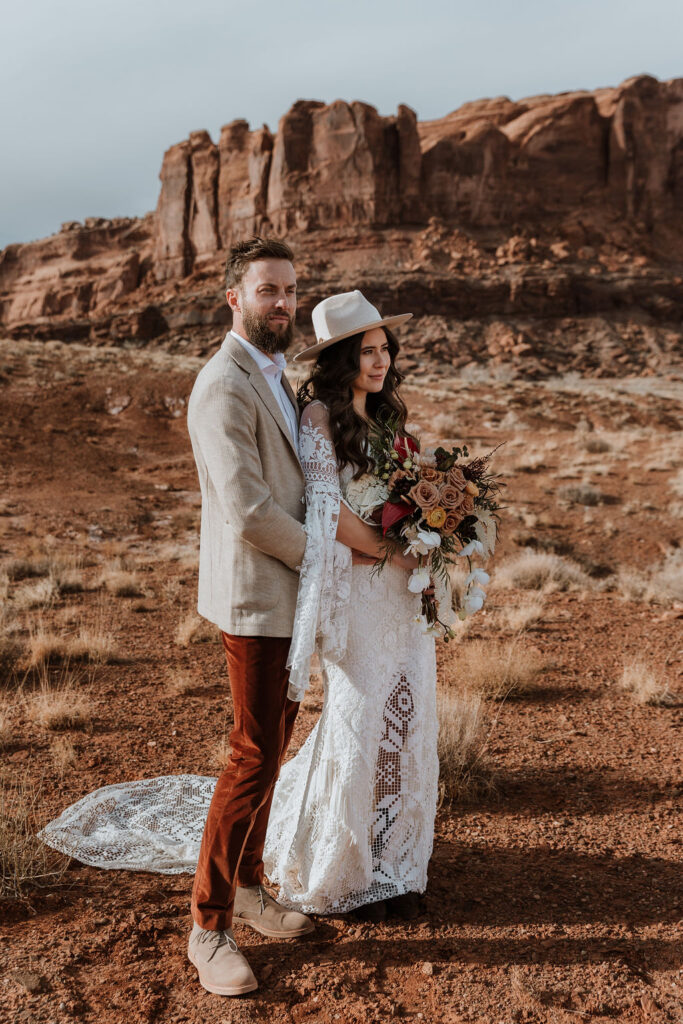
column 333, row 374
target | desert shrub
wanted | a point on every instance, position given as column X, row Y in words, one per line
column 121, row 583
column 463, row 771
column 62, row 753
column 645, row 684
column 497, row 670
column 63, row 706
column 580, row 494
column 37, row 594
column 540, row 570
column 192, row 629
column 90, row 644
column 26, row 863
column 524, row 614
column 596, row 445
column 27, row 568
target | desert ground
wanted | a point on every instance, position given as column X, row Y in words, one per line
column 555, row 884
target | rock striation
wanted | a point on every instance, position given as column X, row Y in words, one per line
column 552, row 206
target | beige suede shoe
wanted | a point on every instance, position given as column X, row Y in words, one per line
column 222, row 968
column 256, row 907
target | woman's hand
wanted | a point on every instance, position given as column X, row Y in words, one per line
column 358, row 558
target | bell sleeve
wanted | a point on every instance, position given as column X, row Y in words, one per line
column 321, row 618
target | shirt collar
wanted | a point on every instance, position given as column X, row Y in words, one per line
column 273, row 367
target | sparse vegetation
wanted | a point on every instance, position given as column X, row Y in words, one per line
column 192, row 629
column 581, row 494
column 63, row 706
column 26, row 863
column 645, row 684
column 497, row 670
column 121, row 583
column 524, row 614
column 540, row 570
column 463, row 771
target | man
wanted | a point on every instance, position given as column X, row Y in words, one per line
column 243, row 423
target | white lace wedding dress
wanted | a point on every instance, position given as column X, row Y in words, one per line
column 352, row 818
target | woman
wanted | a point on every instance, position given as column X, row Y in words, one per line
column 352, row 819
column 353, row 813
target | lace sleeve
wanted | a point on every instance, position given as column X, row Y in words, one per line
column 321, row 619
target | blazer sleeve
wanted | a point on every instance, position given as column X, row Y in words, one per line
column 223, row 425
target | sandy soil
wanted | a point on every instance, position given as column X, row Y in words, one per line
column 554, row 895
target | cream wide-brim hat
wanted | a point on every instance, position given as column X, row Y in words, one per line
column 342, row 316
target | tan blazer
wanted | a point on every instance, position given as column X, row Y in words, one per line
column 252, row 541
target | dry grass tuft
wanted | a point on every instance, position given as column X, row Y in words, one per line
column 60, row 707
column 192, row 629
column 6, row 725
column 62, row 753
column 463, row 772
column 581, row 494
column 540, row 570
column 26, row 863
column 497, row 670
column 645, row 684
column 180, row 683
column 662, row 585
column 222, row 751
column 121, row 583
column 525, row 614
column 596, row 445
column 39, row 594
column 90, row 644
column 27, row 568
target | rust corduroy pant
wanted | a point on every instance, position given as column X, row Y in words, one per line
column 231, row 852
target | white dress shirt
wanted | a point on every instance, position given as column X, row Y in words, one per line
column 272, row 370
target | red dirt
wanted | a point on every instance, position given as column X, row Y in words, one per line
column 556, row 898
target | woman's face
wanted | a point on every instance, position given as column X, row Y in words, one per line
column 375, row 361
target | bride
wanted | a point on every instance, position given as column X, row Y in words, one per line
column 352, row 818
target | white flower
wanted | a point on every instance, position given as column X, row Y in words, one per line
column 474, row 545
column 366, row 494
column 419, row 581
column 473, row 601
column 478, row 577
column 421, row 620
column 423, row 543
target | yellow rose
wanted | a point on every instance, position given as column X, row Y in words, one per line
column 437, row 517
column 471, row 488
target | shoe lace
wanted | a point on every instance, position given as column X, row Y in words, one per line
column 262, row 893
column 218, row 939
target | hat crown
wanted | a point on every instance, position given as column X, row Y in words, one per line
column 343, row 314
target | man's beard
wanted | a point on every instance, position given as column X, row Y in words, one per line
column 259, row 333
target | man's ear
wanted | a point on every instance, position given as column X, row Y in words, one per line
column 233, row 300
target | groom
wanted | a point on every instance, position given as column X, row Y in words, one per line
column 243, row 423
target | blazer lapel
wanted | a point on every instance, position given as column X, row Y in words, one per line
column 261, row 387
column 291, row 396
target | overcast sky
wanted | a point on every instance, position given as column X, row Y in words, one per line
column 94, row 91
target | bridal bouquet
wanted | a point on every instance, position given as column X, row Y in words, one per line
column 437, row 504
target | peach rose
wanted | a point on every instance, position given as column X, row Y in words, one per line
column 397, row 476
column 451, row 523
column 425, row 495
column 456, row 478
column 432, row 476
column 472, row 488
column 467, row 506
column 450, row 497
column 437, row 517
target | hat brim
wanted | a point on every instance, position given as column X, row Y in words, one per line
column 312, row 351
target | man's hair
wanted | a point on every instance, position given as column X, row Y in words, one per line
column 250, row 250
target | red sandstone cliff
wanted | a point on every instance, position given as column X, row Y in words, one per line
column 507, row 217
